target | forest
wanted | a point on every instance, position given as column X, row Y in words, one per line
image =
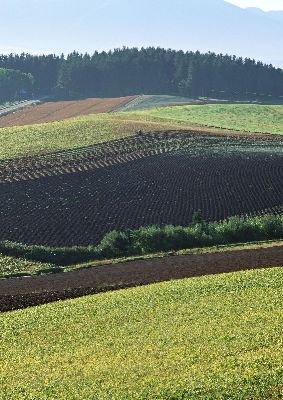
column 14, row 84
column 129, row 71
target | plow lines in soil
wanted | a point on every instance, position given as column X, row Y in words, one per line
column 76, row 197
column 60, row 110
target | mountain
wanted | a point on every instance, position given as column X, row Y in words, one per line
column 89, row 25
column 276, row 16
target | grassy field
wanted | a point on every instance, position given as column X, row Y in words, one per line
column 88, row 130
column 243, row 117
column 215, row 337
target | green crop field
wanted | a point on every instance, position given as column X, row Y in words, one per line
column 242, row 117
column 88, row 130
column 214, row 337
column 74, row 133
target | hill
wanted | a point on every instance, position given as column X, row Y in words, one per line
column 101, row 163
column 206, row 25
column 240, row 117
column 93, row 129
column 209, row 337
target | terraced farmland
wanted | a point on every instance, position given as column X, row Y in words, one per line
column 76, row 197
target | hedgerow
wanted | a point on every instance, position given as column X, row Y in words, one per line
column 153, row 239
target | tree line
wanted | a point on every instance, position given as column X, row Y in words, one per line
column 150, row 70
column 14, row 84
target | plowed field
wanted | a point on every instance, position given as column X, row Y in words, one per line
column 59, row 110
column 24, row 292
column 76, row 197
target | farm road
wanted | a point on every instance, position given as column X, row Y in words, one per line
column 17, row 293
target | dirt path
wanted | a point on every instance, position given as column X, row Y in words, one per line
column 24, row 292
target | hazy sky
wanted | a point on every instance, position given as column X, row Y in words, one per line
column 266, row 5
column 56, row 26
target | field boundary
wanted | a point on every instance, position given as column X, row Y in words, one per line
column 122, row 106
column 19, row 293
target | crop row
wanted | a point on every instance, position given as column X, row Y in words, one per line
column 130, row 149
column 79, row 208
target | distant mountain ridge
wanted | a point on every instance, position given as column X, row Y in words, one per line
column 89, row 25
column 274, row 15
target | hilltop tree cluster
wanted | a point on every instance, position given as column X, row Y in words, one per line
column 148, row 70
column 14, row 84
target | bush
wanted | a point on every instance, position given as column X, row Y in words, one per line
column 115, row 244
column 155, row 239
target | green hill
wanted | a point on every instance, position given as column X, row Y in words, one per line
column 214, row 337
column 241, row 117
column 93, row 129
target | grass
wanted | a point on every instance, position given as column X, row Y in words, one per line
column 241, row 117
column 14, row 266
column 214, row 337
column 200, row 250
column 93, row 129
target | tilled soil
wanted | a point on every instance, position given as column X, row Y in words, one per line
column 127, row 191
column 18, row 293
column 60, row 110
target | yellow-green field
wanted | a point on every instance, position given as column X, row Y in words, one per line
column 216, row 337
column 93, row 129
column 73, row 133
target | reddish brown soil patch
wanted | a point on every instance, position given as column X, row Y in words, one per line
column 19, row 293
column 60, row 110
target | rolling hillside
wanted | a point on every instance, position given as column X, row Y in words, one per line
column 100, row 162
column 214, row 337
column 93, row 129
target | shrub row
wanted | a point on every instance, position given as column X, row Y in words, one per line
column 156, row 239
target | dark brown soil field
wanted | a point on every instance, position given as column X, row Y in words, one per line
column 76, row 197
column 59, row 110
column 19, row 293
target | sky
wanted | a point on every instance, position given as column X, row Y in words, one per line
column 266, row 5
column 56, row 26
